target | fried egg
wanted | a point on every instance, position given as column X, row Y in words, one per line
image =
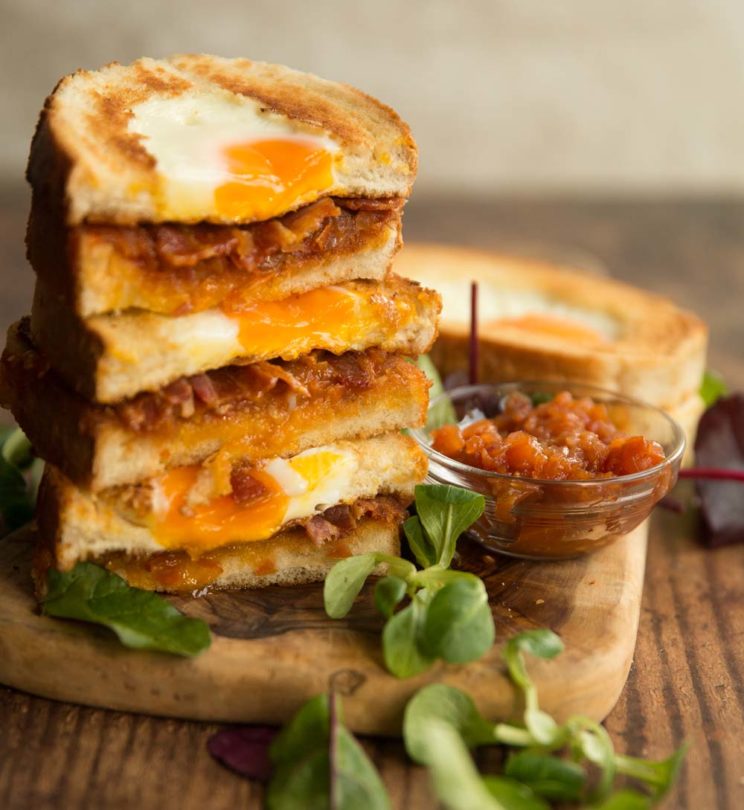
column 287, row 489
column 327, row 318
column 222, row 157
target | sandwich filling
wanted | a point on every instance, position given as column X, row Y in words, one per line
column 176, row 269
column 228, row 500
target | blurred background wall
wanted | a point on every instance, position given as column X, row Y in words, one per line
column 503, row 96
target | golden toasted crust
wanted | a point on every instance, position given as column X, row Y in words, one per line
column 288, row 558
column 653, row 351
column 108, row 358
column 355, row 396
column 85, row 158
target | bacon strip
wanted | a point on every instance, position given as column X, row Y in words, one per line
column 314, row 229
column 228, row 388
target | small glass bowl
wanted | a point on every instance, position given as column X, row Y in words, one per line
column 535, row 519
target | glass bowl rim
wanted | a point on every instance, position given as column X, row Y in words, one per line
column 679, row 440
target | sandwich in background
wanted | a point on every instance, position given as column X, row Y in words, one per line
column 217, row 363
column 542, row 321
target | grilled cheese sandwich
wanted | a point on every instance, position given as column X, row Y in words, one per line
column 197, row 138
column 216, row 363
column 325, row 491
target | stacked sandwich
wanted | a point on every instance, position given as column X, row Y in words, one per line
column 217, row 364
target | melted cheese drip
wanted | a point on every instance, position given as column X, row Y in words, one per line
column 293, row 488
column 328, row 318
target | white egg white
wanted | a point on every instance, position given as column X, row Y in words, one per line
column 187, row 135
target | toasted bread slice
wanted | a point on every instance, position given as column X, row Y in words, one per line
column 288, row 558
column 196, row 138
column 184, row 509
column 260, row 410
column 108, row 358
column 172, row 269
column 542, row 321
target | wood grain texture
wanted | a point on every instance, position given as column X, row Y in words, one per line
column 275, row 648
column 687, row 680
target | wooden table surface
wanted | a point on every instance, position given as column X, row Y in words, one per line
column 687, row 681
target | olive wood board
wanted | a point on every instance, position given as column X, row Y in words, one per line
column 274, row 648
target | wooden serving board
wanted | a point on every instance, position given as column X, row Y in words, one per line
column 272, row 649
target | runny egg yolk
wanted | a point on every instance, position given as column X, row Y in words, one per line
column 220, row 520
column 554, row 326
column 328, row 318
column 285, row 489
column 272, row 175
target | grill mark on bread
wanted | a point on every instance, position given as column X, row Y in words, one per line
column 104, row 174
column 307, row 107
column 112, row 113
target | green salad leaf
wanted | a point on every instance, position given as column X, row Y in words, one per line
column 344, row 582
column 419, row 543
column 712, row 388
column 449, row 705
column 548, row 776
column 513, row 795
column 447, row 614
column 457, row 783
column 141, row 619
column 458, row 626
column 319, row 764
column 571, row 763
column 20, row 474
column 442, row 412
column 445, row 513
column 659, row 775
column 402, row 649
column 389, row 592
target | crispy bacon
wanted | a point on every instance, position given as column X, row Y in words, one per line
column 261, row 246
column 384, row 507
column 369, row 204
column 204, row 389
column 320, row 530
column 179, row 246
column 341, row 516
column 223, row 390
column 245, row 488
column 342, row 519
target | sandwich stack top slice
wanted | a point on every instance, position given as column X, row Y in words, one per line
column 198, row 138
column 216, row 365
